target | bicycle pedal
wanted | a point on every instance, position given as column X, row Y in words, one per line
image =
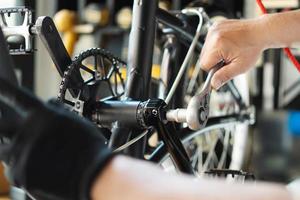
column 233, row 173
column 15, row 23
column 20, row 52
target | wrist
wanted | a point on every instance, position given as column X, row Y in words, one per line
column 265, row 33
column 274, row 29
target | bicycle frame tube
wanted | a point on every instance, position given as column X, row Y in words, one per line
column 140, row 51
column 140, row 55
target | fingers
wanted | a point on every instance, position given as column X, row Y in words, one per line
column 209, row 59
column 210, row 54
column 225, row 74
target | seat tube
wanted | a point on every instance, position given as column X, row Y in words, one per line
column 140, row 52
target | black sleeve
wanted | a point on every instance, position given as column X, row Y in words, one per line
column 57, row 154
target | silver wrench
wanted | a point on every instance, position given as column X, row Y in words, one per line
column 197, row 112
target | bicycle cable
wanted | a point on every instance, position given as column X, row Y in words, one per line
column 131, row 142
column 189, row 54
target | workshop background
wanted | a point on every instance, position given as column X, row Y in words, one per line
column 274, row 83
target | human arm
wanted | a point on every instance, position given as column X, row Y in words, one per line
column 55, row 154
column 128, row 179
column 240, row 42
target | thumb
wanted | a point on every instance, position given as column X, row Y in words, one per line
column 225, row 74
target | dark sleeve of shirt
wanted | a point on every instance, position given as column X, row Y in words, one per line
column 56, row 154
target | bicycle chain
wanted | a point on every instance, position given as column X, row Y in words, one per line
column 76, row 63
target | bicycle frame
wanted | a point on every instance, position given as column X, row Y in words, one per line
column 145, row 14
column 141, row 43
column 140, row 54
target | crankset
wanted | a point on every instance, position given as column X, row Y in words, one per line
column 102, row 80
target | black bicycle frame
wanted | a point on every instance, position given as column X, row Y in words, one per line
column 140, row 55
column 142, row 37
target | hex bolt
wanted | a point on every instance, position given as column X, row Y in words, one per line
column 154, row 112
column 202, row 116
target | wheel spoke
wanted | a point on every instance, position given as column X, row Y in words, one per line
column 200, row 158
column 210, row 154
column 225, row 149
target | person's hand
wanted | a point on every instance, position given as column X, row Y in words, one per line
column 238, row 42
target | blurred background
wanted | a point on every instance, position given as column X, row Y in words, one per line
column 274, row 83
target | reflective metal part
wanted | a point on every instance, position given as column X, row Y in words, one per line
column 19, row 33
column 198, row 107
column 197, row 112
column 189, row 11
column 131, row 142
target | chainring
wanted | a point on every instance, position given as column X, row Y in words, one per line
column 101, row 76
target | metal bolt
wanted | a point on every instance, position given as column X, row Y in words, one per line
column 154, row 112
column 202, row 116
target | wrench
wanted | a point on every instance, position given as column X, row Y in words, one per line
column 197, row 112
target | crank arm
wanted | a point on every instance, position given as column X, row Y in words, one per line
column 47, row 32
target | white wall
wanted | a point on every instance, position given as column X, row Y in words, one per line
column 47, row 78
column 9, row 3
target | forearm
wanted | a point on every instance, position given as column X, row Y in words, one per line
column 280, row 29
column 129, row 179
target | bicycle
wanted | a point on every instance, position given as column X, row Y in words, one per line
column 97, row 91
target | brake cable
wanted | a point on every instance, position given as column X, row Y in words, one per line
column 287, row 51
